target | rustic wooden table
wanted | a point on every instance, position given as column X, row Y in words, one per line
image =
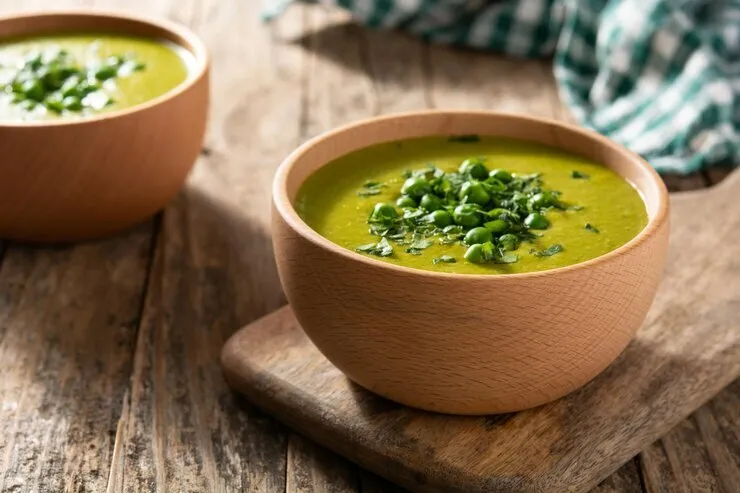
column 109, row 375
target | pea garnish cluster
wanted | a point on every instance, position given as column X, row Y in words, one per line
column 54, row 80
column 490, row 212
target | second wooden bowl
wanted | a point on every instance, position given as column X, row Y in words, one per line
column 63, row 180
column 467, row 344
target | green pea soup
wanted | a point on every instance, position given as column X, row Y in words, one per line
column 161, row 66
column 601, row 212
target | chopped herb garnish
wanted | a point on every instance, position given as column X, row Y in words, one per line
column 368, row 192
column 508, row 258
column 464, row 138
column 380, row 249
column 417, row 245
column 579, row 175
column 490, row 213
column 444, row 259
column 55, row 81
column 547, row 252
column 589, row 227
column 370, row 188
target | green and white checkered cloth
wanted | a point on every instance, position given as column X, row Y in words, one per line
column 661, row 77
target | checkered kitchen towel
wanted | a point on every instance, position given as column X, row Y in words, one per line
column 659, row 76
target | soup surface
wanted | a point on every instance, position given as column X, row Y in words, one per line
column 79, row 75
column 542, row 208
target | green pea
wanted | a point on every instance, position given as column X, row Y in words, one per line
column 383, row 211
column 509, row 242
column 34, row 90
column 497, row 226
column 72, row 103
column 416, row 187
column 440, row 218
column 474, row 254
column 498, row 213
column 536, row 221
column 501, row 175
column 467, row 215
column 478, row 235
column 405, row 201
column 474, row 168
column 430, row 202
column 105, row 73
column 475, row 193
column 540, row 201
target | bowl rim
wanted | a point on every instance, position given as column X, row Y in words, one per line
column 288, row 213
column 196, row 47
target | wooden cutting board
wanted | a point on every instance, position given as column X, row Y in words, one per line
column 686, row 352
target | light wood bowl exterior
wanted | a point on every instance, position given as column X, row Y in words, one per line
column 72, row 180
column 467, row 344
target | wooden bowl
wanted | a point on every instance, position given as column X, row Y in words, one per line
column 467, row 344
column 85, row 178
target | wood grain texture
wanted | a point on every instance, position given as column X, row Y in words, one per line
column 687, row 351
column 625, row 480
column 700, row 454
column 212, row 272
column 313, row 469
column 68, row 319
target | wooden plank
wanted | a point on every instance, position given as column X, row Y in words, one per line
column 700, row 454
column 314, row 469
column 68, row 323
column 399, row 69
column 725, row 463
column 338, row 88
column 184, row 429
column 722, row 435
column 475, row 80
column 679, row 462
column 68, row 320
column 625, row 480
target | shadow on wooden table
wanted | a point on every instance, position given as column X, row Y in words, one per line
column 127, row 328
column 391, row 71
column 558, row 429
